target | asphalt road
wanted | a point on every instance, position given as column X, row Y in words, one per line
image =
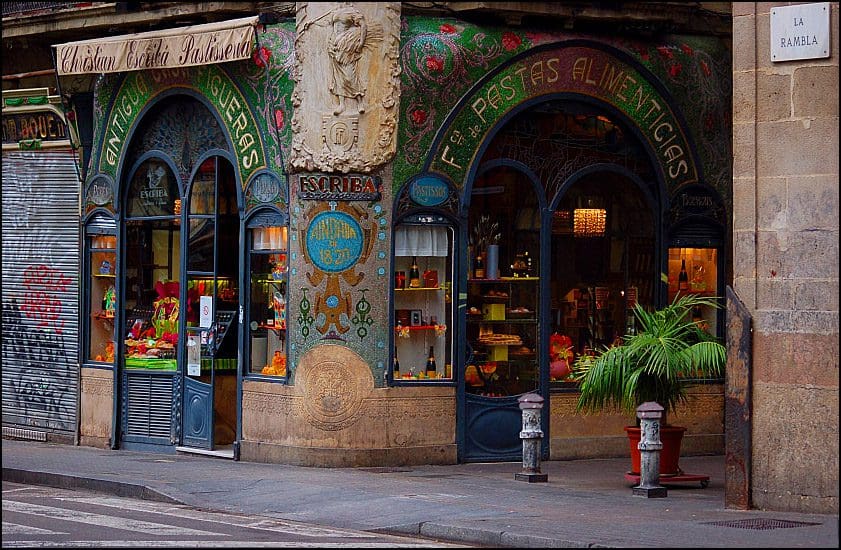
column 41, row 517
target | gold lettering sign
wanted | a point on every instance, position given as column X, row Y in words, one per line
column 171, row 48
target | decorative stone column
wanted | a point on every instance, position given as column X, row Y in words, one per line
column 649, row 414
column 531, row 404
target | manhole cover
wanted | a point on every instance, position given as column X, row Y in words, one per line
column 760, row 523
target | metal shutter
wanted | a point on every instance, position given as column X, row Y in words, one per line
column 40, row 290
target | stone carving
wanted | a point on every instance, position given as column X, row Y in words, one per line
column 346, row 85
column 334, row 381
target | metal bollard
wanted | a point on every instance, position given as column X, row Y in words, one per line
column 531, row 434
column 649, row 414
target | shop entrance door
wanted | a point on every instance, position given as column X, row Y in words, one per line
column 504, row 347
column 210, row 343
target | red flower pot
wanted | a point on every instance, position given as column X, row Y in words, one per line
column 671, row 437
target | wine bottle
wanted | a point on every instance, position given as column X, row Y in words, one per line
column 414, row 274
column 479, row 268
column 430, row 365
column 683, row 278
column 396, row 368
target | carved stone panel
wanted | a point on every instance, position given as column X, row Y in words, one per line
column 347, row 85
column 333, row 381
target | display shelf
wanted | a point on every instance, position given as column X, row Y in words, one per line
column 104, row 276
column 494, row 336
column 503, row 280
column 102, row 316
column 504, row 321
column 422, row 315
column 407, row 289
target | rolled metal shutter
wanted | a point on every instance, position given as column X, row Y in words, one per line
column 40, row 293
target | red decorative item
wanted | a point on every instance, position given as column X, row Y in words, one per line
column 560, row 356
column 446, row 28
column 558, row 370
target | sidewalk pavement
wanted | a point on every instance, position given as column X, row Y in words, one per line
column 585, row 503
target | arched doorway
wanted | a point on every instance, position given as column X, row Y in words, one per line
column 180, row 206
column 563, row 288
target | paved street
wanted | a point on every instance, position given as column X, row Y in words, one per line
column 584, row 503
column 35, row 517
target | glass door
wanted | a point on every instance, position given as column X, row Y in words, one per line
column 151, row 254
column 212, row 300
column 503, row 344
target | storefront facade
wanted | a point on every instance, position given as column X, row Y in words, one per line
column 280, row 261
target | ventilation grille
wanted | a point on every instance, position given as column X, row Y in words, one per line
column 20, row 433
column 149, row 405
column 760, row 523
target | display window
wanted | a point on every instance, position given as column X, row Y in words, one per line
column 268, row 272
column 102, row 304
column 423, row 304
column 152, row 259
column 503, row 286
column 603, row 263
column 695, row 271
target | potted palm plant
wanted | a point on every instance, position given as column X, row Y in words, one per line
column 656, row 363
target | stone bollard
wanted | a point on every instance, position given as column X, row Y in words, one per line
column 531, row 434
column 649, row 414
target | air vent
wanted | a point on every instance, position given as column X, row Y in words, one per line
column 760, row 523
column 149, row 405
column 20, row 433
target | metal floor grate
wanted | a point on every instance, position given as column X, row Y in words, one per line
column 760, row 523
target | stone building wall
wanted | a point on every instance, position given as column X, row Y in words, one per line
column 785, row 239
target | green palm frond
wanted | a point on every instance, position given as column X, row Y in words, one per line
column 654, row 363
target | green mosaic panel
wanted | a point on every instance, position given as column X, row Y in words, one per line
column 442, row 58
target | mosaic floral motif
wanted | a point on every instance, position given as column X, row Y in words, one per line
column 696, row 72
column 341, row 312
column 443, row 58
column 305, row 317
column 270, row 97
column 439, row 62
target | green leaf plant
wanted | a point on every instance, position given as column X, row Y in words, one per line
column 655, row 363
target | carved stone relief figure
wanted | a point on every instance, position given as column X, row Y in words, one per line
column 347, row 85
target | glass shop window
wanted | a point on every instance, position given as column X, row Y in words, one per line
column 102, row 296
column 695, row 271
column 268, row 265
column 423, row 305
